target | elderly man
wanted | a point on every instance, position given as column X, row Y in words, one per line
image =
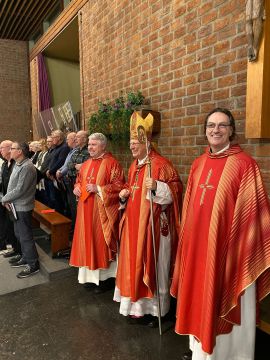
column 58, row 156
column 7, row 227
column 21, row 194
column 47, row 196
column 68, row 172
column 135, row 281
column 97, row 187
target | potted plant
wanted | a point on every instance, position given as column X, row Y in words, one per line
column 113, row 117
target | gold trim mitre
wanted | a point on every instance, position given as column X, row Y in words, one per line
column 140, row 127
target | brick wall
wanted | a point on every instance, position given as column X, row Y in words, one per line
column 186, row 56
column 15, row 113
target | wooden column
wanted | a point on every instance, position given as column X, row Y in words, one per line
column 258, row 87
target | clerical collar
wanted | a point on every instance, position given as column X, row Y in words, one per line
column 222, row 150
column 142, row 161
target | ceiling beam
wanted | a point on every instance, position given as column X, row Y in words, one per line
column 61, row 22
column 6, row 14
column 22, row 20
column 38, row 17
column 3, row 6
column 12, row 16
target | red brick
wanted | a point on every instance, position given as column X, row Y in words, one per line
column 194, row 89
column 204, row 97
column 205, row 75
column 226, row 81
column 187, row 57
column 208, row 85
column 15, row 101
column 221, row 94
column 204, row 31
column 262, row 150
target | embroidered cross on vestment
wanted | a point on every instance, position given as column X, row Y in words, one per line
column 206, row 186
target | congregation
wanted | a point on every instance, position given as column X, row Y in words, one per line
column 212, row 254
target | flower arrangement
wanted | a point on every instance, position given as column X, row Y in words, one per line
column 113, row 117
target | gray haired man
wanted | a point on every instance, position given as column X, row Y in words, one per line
column 21, row 194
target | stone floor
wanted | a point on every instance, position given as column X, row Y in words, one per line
column 60, row 319
column 51, row 317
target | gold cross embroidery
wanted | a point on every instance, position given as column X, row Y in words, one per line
column 135, row 187
column 206, row 186
column 90, row 177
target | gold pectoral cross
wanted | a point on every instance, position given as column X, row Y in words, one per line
column 134, row 187
column 206, row 186
column 90, row 177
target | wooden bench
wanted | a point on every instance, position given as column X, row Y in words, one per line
column 58, row 225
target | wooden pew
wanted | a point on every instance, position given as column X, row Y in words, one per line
column 58, row 224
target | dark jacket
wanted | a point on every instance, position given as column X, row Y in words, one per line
column 58, row 157
column 5, row 174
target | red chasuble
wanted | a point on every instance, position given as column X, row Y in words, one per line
column 136, row 269
column 96, row 231
column 224, row 244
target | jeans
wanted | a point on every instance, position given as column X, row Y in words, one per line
column 24, row 233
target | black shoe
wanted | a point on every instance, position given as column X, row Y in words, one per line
column 89, row 286
column 143, row 320
column 104, row 286
column 19, row 263
column 28, row 271
column 99, row 289
column 153, row 323
column 15, row 259
column 62, row 254
column 187, row 355
column 10, row 254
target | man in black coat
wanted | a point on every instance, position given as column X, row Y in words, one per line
column 6, row 224
column 57, row 159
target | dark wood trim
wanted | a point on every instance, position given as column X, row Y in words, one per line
column 63, row 20
column 258, row 88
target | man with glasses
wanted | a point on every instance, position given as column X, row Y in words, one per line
column 223, row 262
column 135, row 282
column 6, row 224
column 21, row 194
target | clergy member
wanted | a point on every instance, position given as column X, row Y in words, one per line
column 95, row 238
column 223, row 259
column 135, row 282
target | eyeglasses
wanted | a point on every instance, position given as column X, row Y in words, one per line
column 221, row 126
column 134, row 143
column 15, row 148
